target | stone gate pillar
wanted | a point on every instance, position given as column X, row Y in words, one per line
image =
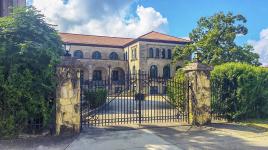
column 200, row 93
column 68, row 97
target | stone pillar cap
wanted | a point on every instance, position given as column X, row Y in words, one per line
column 197, row 67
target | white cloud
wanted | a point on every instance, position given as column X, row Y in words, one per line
column 106, row 17
column 261, row 46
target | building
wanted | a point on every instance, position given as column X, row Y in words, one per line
column 6, row 5
column 112, row 58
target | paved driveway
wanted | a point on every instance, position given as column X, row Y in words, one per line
column 216, row 136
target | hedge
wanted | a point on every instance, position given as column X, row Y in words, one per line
column 239, row 91
column 94, row 99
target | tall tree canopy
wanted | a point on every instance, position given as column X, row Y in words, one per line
column 29, row 51
column 214, row 37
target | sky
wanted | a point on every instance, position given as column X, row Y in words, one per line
column 132, row 18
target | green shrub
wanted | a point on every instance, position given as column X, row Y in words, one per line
column 96, row 98
column 239, row 91
column 176, row 90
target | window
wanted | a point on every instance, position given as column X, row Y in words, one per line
column 78, row 54
column 169, row 54
column 166, row 72
column 153, row 90
column 163, row 53
column 157, row 53
column 151, row 52
column 113, row 56
column 134, row 53
column 115, row 75
column 97, row 75
column 153, row 71
column 96, row 55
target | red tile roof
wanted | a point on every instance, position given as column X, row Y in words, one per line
column 161, row 37
column 116, row 41
column 94, row 40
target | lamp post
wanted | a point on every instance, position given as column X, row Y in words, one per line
column 198, row 55
column 67, row 48
column 109, row 77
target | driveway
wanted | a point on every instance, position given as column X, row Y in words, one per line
column 215, row 136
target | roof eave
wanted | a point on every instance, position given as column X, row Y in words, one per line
column 94, row 45
column 154, row 40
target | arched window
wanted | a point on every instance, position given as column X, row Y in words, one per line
column 163, row 53
column 153, row 71
column 151, row 52
column 113, row 56
column 78, row 54
column 157, row 53
column 96, row 55
column 169, row 54
column 166, row 72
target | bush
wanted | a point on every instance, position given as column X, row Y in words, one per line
column 239, row 91
column 176, row 90
column 94, row 99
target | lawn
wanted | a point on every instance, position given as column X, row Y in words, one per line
column 257, row 123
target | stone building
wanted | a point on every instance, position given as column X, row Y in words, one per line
column 112, row 58
column 6, row 5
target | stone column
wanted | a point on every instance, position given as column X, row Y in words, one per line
column 68, row 98
column 200, row 93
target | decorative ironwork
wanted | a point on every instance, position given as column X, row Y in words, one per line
column 105, row 103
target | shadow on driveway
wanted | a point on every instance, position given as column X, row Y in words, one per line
column 152, row 137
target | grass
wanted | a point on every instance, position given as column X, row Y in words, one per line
column 256, row 123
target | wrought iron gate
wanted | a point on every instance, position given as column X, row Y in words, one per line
column 135, row 99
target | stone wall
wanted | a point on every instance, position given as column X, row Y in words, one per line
column 68, row 99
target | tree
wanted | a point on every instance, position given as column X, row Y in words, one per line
column 214, row 38
column 29, row 51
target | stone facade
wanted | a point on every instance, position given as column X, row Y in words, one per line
column 126, row 62
column 6, row 4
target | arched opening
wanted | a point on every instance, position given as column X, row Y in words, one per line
column 157, row 53
column 151, row 52
column 166, row 72
column 114, row 56
column 169, row 54
column 153, row 71
column 78, row 54
column 96, row 55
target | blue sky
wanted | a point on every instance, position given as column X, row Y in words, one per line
column 131, row 18
column 182, row 15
